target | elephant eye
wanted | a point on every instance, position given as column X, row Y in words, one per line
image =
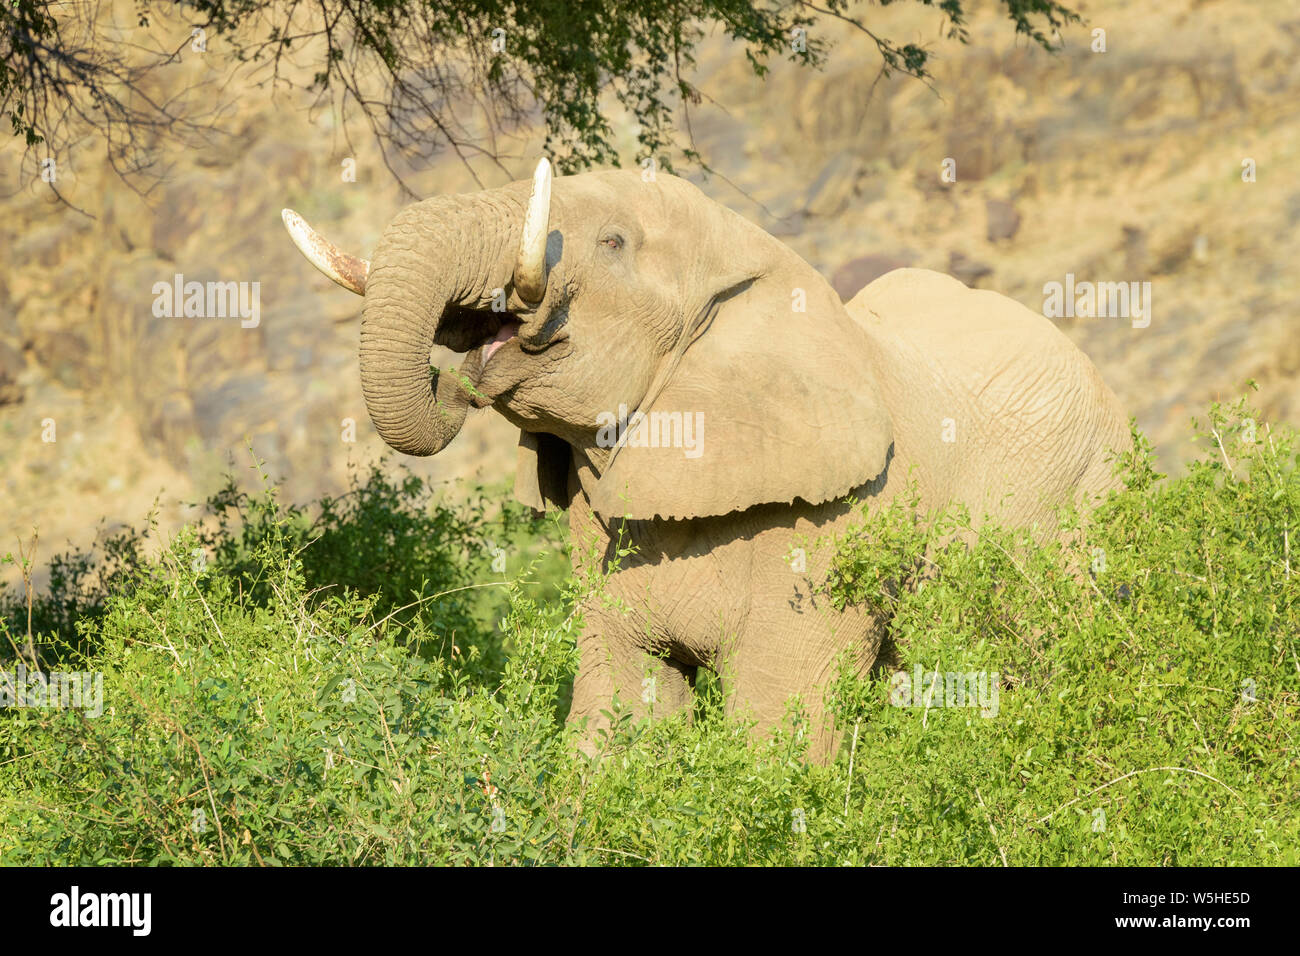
column 613, row 241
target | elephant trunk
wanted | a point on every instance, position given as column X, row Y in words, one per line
column 437, row 270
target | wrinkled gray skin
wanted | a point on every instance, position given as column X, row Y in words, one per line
column 662, row 300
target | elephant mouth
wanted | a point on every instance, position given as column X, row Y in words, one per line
column 464, row 330
column 503, row 335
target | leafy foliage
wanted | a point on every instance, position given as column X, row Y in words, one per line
column 1147, row 680
column 432, row 74
column 389, row 540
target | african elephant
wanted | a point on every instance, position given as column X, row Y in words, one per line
column 754, row 403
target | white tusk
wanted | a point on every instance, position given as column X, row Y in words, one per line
column 348, row 271
column 530, row 267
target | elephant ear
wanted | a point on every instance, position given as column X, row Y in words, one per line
column 765, row 405
column 542, row 471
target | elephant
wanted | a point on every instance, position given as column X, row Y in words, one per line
column 687, row 386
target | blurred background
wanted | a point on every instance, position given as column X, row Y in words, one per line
column 1122, row 165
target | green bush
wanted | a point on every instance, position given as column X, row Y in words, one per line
column 390, row 537
column 343, row 688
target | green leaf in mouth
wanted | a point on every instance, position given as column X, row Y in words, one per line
column 468, row 386
column 465, row 383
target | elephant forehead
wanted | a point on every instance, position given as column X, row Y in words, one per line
column 654, row 200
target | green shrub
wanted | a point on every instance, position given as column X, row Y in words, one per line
column 344, row 688
column 389, row 537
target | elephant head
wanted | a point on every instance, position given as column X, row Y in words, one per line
column 601, row 293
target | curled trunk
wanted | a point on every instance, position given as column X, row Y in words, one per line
column 440, row 257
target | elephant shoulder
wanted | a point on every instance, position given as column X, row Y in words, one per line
column 945, row 318
column 905, row 290
column 1029, row 405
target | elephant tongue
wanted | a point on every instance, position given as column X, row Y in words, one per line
column 471, row 369
column 504, row 334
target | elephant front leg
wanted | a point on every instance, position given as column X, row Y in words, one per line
column 798, row 655
column 611, row 665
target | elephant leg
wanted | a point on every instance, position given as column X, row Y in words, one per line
column 770, row 664
column 609, row 665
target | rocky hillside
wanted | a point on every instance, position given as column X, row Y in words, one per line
column 1130, row 164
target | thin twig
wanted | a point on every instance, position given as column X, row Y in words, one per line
column 992, row 829
column 1133, row 773
column 852, row 752
column 1219, row 442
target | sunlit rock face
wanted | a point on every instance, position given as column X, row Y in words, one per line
column 1114, row 167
